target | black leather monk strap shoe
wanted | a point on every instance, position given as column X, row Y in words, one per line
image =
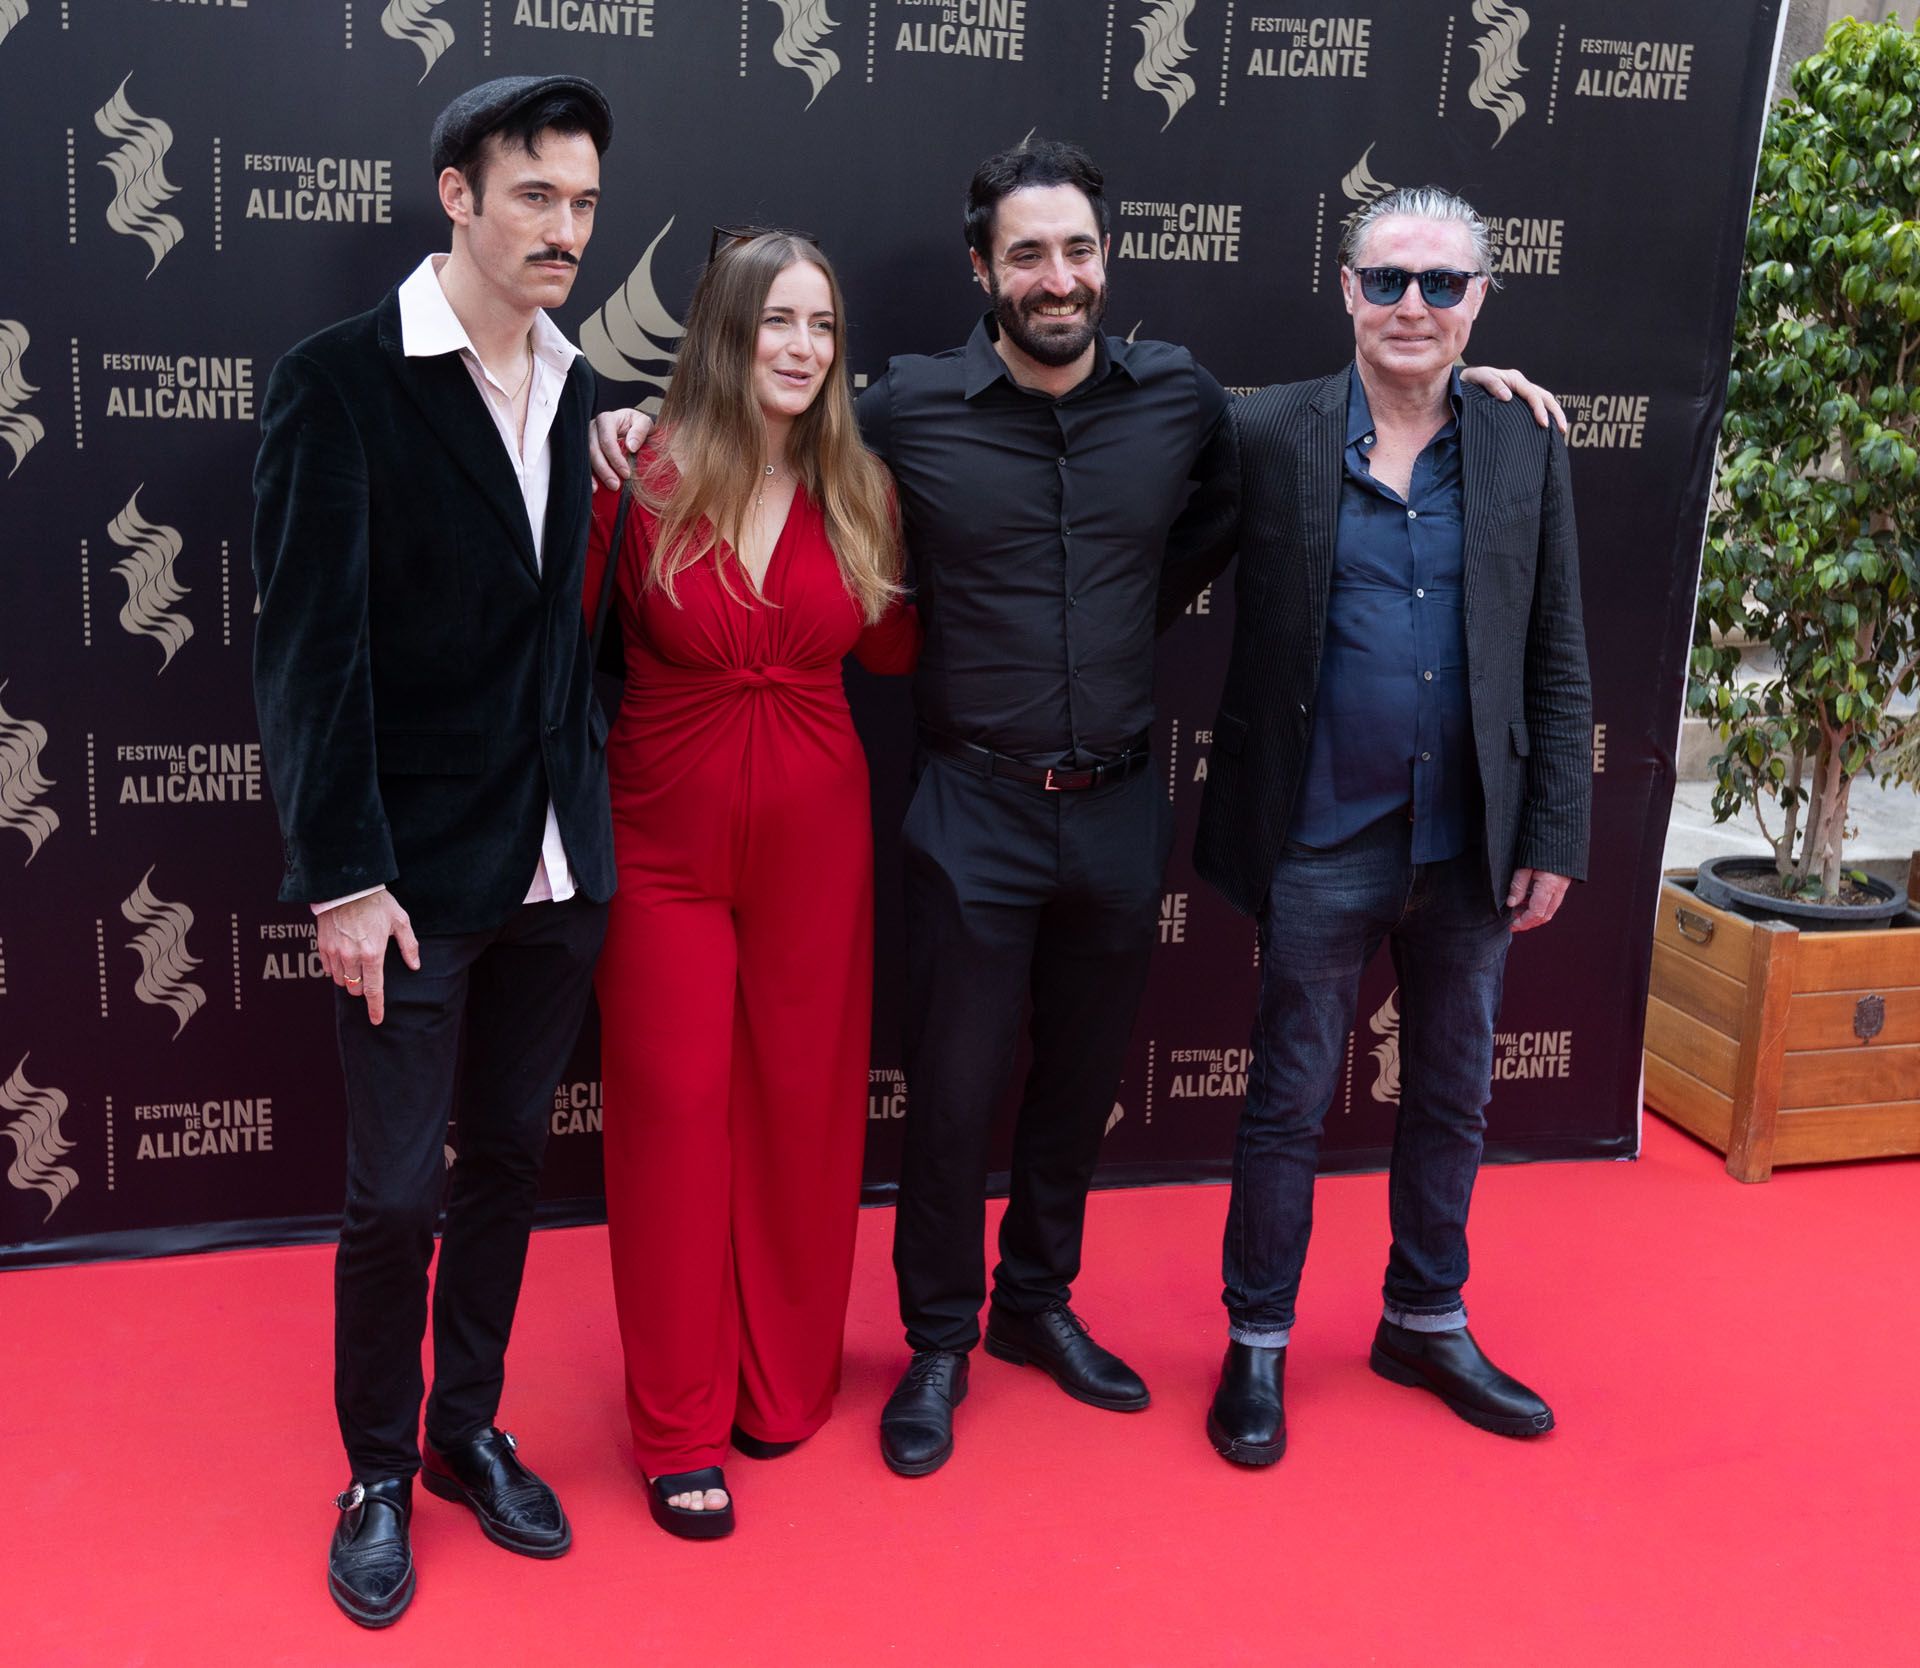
column 515, row 1508
column 916, row 1425
column 370, row 1562
column 1455, row 1369
column 1247, row 1422
column 1057, row 1342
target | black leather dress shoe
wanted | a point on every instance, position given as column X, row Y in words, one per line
column 916, row 1425
column 1452, row 1366
column 370, row 1563
column 1248, row 1419
column 516, row 1510
column 1057, row 1342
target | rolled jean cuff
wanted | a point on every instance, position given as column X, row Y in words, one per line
column 1408, row 1320
column 1261, row 1337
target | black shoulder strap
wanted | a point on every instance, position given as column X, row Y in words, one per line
column 605, row 608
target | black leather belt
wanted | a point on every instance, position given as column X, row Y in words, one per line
column 984, row 761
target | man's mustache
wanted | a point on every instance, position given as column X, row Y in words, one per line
column 1080, row 296
column 552, row 255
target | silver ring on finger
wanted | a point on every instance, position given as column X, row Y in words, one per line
column 354, row 979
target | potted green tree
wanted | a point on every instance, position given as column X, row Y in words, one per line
column 1775, row 1044
column 1813, row 544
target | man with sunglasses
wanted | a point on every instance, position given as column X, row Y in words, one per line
column 1402, row 753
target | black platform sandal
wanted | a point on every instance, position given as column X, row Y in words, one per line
column 678, row 1520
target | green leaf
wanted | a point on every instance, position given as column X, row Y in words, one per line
column 1814, row 529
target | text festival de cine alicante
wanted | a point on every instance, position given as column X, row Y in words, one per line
column 965, row 28
column 1212, row 232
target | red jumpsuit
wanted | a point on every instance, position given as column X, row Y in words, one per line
column 736, row 988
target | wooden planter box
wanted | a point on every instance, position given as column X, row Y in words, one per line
column 1783, row 1047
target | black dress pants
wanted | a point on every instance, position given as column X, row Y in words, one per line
column 480, row 1034
column 1017, row 898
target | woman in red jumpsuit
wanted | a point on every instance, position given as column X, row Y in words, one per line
column 736, row 983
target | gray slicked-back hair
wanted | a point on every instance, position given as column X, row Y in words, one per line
column 1419, row 202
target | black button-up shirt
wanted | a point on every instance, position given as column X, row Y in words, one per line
column 1392, row 729
column 1036, row 529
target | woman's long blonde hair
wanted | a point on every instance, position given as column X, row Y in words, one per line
column 712, row 441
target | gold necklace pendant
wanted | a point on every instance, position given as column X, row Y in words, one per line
column 526, row 376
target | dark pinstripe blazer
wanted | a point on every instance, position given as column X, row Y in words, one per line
column 1526, row 649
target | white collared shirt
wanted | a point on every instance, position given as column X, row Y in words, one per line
column 428, row 327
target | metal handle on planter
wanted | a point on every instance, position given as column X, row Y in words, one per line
column 1694, row 926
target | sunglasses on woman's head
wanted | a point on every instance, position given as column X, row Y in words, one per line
column 1439, row 287
column 724, row 236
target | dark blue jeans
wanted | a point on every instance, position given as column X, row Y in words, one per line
column 1326, row 914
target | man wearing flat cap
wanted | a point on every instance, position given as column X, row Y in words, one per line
column 436, row 759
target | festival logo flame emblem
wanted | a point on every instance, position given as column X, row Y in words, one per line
column 165, row 961
column 1164, row 47
column 1359, row 185
column 38, row 1145
column 152, row 589
column 1115, row 1116
column 21, row 784
column 140, row 183
column 804, row 24
column 1385, row 1024
column 1499, row 53
column 11, row 12
column 413, row 20
column 20, row 431
column 632, row 337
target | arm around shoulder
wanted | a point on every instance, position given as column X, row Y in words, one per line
column 1204, row 536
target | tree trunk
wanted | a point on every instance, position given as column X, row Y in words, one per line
column 1783, row 848
column 1814, row 819
column 1825, row 837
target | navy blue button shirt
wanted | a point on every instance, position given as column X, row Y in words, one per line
column 1392, row 729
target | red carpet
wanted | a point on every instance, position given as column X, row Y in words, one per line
column 1735, row 1478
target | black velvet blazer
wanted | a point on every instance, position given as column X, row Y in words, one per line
column 1526, row 648
column 422, row 686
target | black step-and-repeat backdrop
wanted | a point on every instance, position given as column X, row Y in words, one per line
column 195, row 184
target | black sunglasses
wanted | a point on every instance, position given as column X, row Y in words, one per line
column 1440, row 287
column 724, row 235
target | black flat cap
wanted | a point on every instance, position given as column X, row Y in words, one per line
column 479, row 110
